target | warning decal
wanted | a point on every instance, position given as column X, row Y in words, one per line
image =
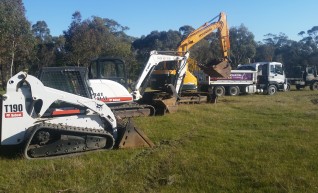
column 13, row 115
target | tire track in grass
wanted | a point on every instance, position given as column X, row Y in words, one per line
column 154, row 178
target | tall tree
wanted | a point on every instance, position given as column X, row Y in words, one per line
column 15, row 38
column 243, row 45
column 45, row 46
column 313, row 33
column 185, row 30
column 41, row 31
column 162, row 41
column 95, row 37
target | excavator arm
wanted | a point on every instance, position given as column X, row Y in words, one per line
column 218, row 68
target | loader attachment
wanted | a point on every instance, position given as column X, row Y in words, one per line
column 217, row 68
column 131, row 137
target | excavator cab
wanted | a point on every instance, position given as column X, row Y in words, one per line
column 108, row 68
column 164, row 73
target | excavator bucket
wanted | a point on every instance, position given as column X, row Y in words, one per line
column 168, row 101
column 166, row 105
column 131, row 137
column 163, row 102
column 217, row 69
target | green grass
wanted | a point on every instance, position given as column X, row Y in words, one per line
column 252, row 143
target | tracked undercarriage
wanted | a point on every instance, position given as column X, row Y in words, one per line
column 48, row 140
column 166, row 102
column 133, row 110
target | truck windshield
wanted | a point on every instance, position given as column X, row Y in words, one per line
column 310, row 70
column 278, row 69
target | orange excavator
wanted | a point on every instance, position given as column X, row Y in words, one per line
column 217, row 68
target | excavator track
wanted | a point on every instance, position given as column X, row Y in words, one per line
column 133, row 110
column 193, row 98
column 51, row 140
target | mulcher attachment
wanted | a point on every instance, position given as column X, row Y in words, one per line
column 217, row 68
column 131, row 137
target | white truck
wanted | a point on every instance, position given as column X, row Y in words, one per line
column 260, row 77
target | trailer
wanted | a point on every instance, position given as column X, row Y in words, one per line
column 260, row 77
column 302, row 77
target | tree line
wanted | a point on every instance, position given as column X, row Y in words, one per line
column 24, row 46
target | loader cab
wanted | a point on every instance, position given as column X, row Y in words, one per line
column 108, row 68
column 70, row 79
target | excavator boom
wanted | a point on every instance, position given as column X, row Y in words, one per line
column 189, row 83
column 220, row 68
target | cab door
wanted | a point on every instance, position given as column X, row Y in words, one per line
column 276, row 73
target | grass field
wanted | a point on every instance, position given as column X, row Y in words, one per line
column 253, row 143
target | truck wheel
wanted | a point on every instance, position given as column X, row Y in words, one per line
column 314, row 86
column 234, row 90
column 219, row 90
column 272, row 89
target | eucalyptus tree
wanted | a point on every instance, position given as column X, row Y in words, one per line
column 90, row 38
column 45, row 49
column 243, row 45
column 186, row 30
column 16, row 41
column 292, row 53
column 163, row 41
column 271, row 47
column 309, row 47
column 96, row 37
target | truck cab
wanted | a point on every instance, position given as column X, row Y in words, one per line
column 303, row 76
column 271, row 77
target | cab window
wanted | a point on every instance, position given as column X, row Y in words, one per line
column 278, row 69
